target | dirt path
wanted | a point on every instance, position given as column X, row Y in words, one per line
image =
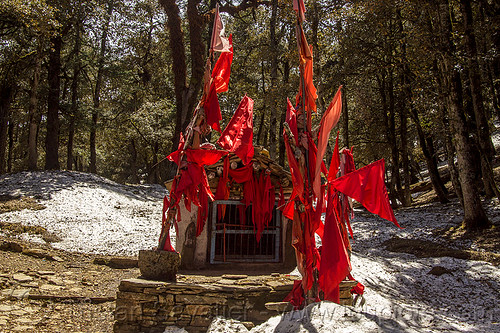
column 47, row 290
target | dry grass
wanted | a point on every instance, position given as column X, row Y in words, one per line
column 9, row 204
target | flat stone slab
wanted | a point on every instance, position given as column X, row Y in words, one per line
column 16, row 293
column 279, row 306
column 22, row 278
column 234, row 276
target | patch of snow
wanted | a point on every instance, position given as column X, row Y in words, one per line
column 94, row 215
column 89, row 213
column 223, row 325
column 400, row 294
column 174, row 329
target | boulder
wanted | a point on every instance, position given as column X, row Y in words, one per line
column 159, row 265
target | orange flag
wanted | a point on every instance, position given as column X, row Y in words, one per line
column 329, row 120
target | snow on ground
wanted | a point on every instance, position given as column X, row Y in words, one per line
column 94, row 215
column 90, row 213
column 400, row 294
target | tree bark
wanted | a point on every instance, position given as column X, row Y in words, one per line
column 52, row 136
column 345, row 116
column 11, row 146
column 34, row 117
column 274, row 80
column 395, row 175
column 73, row 114
column 474, row 214
column 486, row 149
column 6, row 95
column 430, row 160
column 98, row 87
column 185, row 96
column 382, row 85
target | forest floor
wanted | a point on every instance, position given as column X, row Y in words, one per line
column 57, row 229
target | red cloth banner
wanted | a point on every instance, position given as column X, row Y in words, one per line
column 238, row 135
column 212, row 108
column 366, row 186
column 335, row 263
column 329, row 120
column 335, row 162
column 222, row 69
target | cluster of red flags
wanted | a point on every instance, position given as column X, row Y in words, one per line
column 191, row 181
column 365, row 185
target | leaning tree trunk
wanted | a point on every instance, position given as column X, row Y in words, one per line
column 474, row 214
column 437, row 183
column 52, row 136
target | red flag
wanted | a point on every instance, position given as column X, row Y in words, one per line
column 298, row 6
column 238, row 135
column 335, row 264
column 329, row 120
column 212, row 109
column 335, row 163
column 222, row 69
column 175, row 156
column 218, row 43
column 366, row 185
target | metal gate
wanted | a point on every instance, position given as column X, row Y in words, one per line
column 233, row 235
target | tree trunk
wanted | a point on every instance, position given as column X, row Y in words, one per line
column 474, row 214
column 274, row 80
column 383, row 97
column 11, row 146
column 34, row 118
column 403, row 113
column 6, row 94
column 73, row 114
column 52, row 136
column 486, row 149
column 185, row 96
column 395, row 175
column 437, row 183
column 98, row 86
column 345, row 116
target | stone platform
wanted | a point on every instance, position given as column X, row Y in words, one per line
column 192, row 302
